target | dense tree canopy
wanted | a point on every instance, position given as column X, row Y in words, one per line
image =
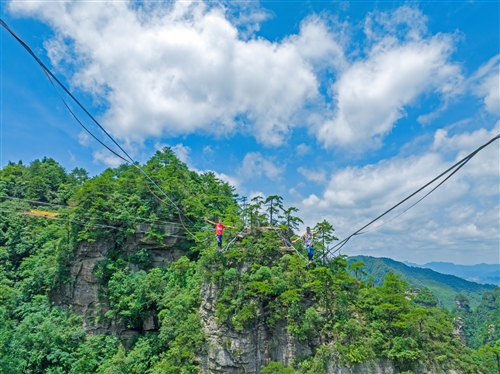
column 353, row 319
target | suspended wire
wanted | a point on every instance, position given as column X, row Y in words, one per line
column 33, row 201
column 81, row 223
column 80, row 122
column 231, row 242
column 419, row 200
column 456, row 166
column 130, row 160
column 69, row 207
column 180, row 217
column 50, row 75
column 64, row 219
column 287, row 243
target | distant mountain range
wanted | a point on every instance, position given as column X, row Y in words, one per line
column 445, row 287
column 481, row 273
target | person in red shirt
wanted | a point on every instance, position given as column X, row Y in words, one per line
column 219, row 229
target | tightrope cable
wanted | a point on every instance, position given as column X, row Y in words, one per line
column 457, row 166
column 50, row 75
column 287, row 243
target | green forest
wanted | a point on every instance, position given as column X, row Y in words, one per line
column 445, row 287
column 347, row 318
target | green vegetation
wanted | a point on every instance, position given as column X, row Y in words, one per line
column 479, row 273
column 481, row 324
column 444, row 287
column 345, row 319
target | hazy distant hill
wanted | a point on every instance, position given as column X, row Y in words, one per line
column 444, row 286
column 481, row 273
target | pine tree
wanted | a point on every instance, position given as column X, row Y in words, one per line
column 325, row 236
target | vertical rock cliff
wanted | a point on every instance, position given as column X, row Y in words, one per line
column 84, row 291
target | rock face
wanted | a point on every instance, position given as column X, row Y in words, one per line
column 371, row 367
column 459, row 329
column 226, row 350
column 84, row 291
column 247, row 351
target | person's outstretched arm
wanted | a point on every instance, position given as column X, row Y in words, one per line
column 300, row 237
column 318, row 230
column 207, row 220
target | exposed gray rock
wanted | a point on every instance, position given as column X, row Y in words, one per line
column 151, row 323
column 459, row 329
column 370, row 367
column 84, row 292
column 248, row 351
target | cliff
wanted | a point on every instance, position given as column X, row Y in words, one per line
column 266, row 337
column 93, row 291
column 85, row 291
column 250, row 350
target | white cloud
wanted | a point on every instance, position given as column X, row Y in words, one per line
column 253, row 194
column 232, row 180
column 170, row 69
column 302, row 149
column 247, row 17
column 317, row 176
column 485, row 83
column 372, row 92
column 254, row 165
column 83, row 139
column 107, row 158
column 295, row 194
column 485, row 163
column 180, row 68
column 461, row 215
column 208, row 150
column 319, row 44
column 182, row 152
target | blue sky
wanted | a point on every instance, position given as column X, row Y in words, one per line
column 342, row 108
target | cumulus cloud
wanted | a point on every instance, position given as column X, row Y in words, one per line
column 231, row 179
column 107, row 158
column 253, row 194
column 462, row 214
column 254, row 165
column 317, row 176
column 180, row 68
column 182, row 152
column 485, row 83
column 83, row 139
column 402, row 63
column 208, row 150
column 177, row 68
column 302, row 149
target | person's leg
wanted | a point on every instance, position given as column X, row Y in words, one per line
column 219, row 241
column 310, row 252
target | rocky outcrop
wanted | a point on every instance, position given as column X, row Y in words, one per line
column 459, row 328
column 371, row 367
column 84, row 292
column 249, row 351
column 230, row 351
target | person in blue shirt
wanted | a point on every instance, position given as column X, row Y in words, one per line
column 308, row 239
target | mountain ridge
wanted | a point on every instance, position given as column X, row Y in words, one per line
column 444, row 286
column 479, row 273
